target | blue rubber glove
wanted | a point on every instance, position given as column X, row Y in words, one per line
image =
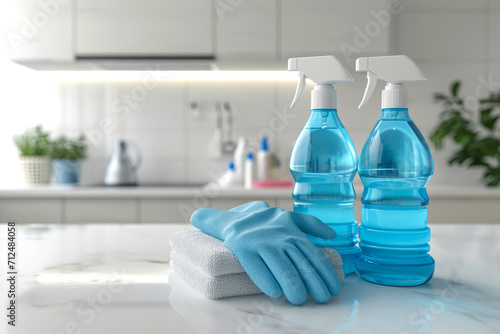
column 271, row 246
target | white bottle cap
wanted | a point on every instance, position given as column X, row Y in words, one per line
column 325, row 71
column 395, row 71
column 394, row 96
column 323, row 97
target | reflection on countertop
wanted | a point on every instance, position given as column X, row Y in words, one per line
column 117, row 279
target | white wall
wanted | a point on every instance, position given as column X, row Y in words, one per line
column 449, row 40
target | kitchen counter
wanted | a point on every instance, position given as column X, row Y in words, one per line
column 209, row 190
column 115, row 279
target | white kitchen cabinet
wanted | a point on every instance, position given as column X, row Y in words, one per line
column 144, row 28
column 38, row 30
column 103, row 210
column 135, row 205
column 246, row 29
column 256, row 34
column 166, row 210
column 31, row 210
column 285, row 203
column 172, row 210
column 318, row 27
column 463, row 210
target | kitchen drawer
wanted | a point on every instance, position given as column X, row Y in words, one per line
column 42, row 211
column 229, row 203
column 119, row 211
column 166, row 210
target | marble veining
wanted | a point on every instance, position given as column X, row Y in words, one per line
column 116, row 279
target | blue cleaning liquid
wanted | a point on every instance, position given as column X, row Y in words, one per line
column 323, row 165
column 395, row 166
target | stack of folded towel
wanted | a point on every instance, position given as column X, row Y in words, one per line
column 207, row 265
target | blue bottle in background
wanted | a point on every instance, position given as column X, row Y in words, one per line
column 395, row 166
column 323, row 162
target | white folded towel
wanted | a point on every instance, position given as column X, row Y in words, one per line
column 207, row 265
column 214, row 287
column 207, row 252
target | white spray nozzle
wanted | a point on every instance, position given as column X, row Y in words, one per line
column 323, row 70
column 395, row 71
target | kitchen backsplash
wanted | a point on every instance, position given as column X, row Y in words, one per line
column 174, row 139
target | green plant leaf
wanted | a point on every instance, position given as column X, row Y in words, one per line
column 478, row 163
column 459, row 157
column 440, row 97
column 492, row 177
column 64, row 148
column 487, row 119
column 484, row 147
column 464, row 137
column 493, row 98
column 454, row 88
column 478, row 141
column 437, row 138
column 33, row 142
column 453, row 125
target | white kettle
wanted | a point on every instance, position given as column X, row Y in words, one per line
column 121, row 171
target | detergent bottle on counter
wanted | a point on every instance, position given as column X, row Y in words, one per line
column 240, row 158
column 395, row 166
column 324, row 162
column 263, row 160
column 229, row 178
column 249, row 171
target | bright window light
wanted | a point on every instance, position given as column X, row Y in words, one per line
column 99, row 76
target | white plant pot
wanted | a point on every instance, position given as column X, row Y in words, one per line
column 35, row 170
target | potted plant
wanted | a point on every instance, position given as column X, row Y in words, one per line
column 34, row 149
column 67, row 156
column 473, row 131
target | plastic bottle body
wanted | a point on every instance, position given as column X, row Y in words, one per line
column 263, row 172
column 249, row 172
column 323, row 164
column 239, row 159
column 395, row 166
column 263, row 161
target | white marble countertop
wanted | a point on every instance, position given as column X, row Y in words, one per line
column 211, row 190
column 114, row 279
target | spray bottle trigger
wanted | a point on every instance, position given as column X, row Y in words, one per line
column 300, row 88
column 370, row 87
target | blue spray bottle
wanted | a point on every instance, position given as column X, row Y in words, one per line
column 395, row 166
column 323, row 162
